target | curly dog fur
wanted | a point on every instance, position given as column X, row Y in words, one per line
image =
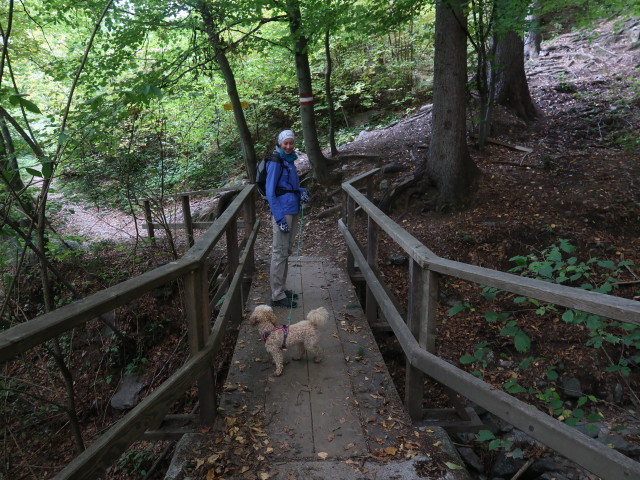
column 302, row 335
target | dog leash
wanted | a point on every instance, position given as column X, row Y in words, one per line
column 300, row 232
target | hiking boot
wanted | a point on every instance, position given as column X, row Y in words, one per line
column 290, row 294
column 284, row 302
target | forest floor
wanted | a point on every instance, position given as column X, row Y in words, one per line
column 575, row 181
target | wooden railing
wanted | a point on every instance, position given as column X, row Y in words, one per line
column 187, row 221
column 203, row 334
column 416, row 333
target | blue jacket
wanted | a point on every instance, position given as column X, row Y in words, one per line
column 287, row 203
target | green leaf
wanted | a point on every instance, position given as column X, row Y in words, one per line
column 485, row 435
column 517, row 453
column 467, row 359
column 511, row 386
column 594, row 322
column 23, row 102
column 453, row 466
column 47, row 170
column 607, row 264
column 522, row 341
column 526, row 363
column 565, row 246
column 33, row 172
column 551, row 373
column 455, row 310
column 555, row 256
column 492, row 317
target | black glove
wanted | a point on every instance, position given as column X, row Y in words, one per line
column 284, row 226
column 304, row 196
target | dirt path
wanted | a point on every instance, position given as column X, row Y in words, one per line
column 93, row 223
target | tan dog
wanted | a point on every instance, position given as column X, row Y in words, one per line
column 299, row 336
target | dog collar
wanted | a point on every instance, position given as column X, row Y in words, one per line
column 285, row 331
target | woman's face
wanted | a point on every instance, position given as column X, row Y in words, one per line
column 287, row 145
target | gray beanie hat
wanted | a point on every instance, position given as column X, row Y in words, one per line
column 284, row 135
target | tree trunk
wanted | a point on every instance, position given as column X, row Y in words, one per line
column 449, row 164
column 534, row 38
column 318, row 161
column 327, row 86
column 246, row 141
column 511, row 87
column 8, row 160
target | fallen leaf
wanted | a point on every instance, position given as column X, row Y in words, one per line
column 391, row 450
column 323, row 455
column 453, row 466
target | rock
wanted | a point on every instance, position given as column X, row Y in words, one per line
column 506, row 466
column 572, row 388
column 618, row 392
column 589, row 429
column 620, row 444
column 397, row 259
column 545, row 465
column 391, row 168
column 470, row 458
column 127, row 395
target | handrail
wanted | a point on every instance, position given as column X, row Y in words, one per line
column 204, row 338
column 618, row 308
column 587, row 452
column 116, row 439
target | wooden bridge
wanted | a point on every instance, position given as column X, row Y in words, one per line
column 340, row 419
column 342, row 415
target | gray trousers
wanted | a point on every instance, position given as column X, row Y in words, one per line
column 281, row 248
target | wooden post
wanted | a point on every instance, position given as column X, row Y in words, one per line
column 421, row 321
column 371, row 305
column 249, row 214
column 198, row 320
column 233, row 259
column 350, row 213
column 188, row 223
column 370, row 188
column 149, row 219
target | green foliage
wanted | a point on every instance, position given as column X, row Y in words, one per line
column 137, row 462
column 558, row 264
column 557, row 408
column 478, row 358
column 486, row 436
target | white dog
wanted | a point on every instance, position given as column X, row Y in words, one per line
column 299, row 336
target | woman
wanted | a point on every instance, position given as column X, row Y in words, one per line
column 285, row 196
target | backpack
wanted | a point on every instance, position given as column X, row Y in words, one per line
column 261, row 174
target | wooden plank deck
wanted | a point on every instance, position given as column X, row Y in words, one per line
column 339, row 419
